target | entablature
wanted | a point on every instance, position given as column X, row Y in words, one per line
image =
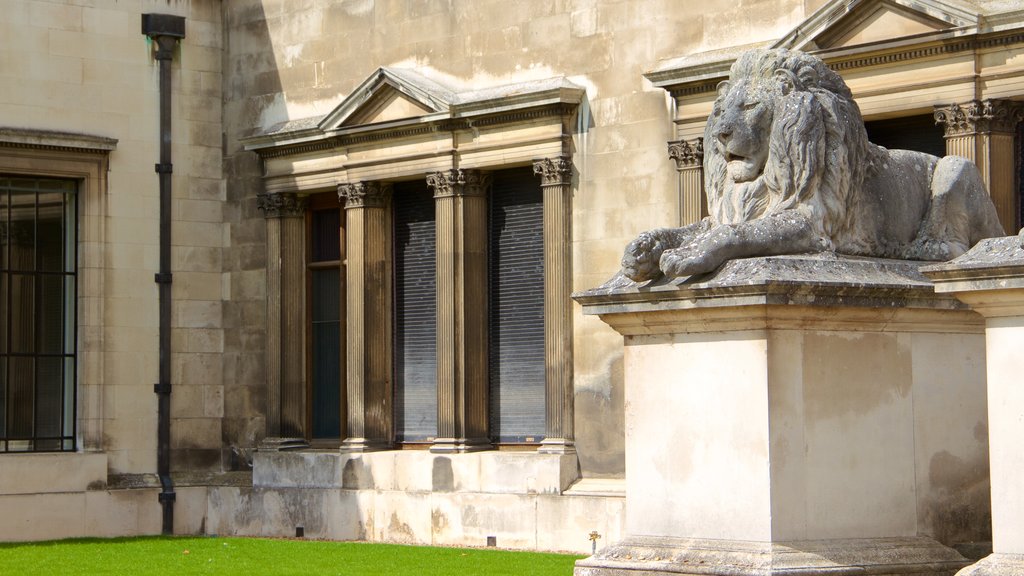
column 400, row 124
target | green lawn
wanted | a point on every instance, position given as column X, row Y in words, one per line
column 257, row 556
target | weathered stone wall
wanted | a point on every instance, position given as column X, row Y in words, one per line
column 85, row 67
column 289, row 59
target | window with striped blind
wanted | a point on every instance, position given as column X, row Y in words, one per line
column 516, row 309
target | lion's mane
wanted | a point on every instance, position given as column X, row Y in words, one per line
column 818, row 151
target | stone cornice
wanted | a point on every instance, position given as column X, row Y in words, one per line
column 54, row 140
column 703, row 77
column 364, row 194
column 281, row 205
column 554, row 171
column 687, row 153
column 459, row 183
column 979, row 116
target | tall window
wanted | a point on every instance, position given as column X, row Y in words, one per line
column 38, row 240
column 516, row 311
column 918, row 133
column 415, row 246
column 325, row 306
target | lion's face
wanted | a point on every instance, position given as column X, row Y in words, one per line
column 742, row 128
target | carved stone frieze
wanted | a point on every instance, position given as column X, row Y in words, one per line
column 459, row 183
column 554, row 171
column 281, row 205
column 687, row 153
column 363, row 194
column 979, row 116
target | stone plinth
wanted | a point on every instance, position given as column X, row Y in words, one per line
column 990, row 277
column 793, row 414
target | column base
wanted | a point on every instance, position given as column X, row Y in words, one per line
column 996, row 564
column 460, row 445
column 650, row 556
column 357, row 445
column 557, row 446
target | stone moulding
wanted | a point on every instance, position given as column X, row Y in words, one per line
column 643, row 555
column 825, row 279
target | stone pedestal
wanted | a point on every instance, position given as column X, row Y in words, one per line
column 793, row 414
column 990, row 278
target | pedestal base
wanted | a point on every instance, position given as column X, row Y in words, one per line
column 996, row 565
column 650, row 556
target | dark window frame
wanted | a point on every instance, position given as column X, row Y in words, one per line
column 66, row 440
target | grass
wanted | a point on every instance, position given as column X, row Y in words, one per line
column 153, row 556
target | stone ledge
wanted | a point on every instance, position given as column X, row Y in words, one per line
column 649, row 556
column 996, row 565
column 819, row 280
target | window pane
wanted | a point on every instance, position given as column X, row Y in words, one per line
column 21, row 231
column 70, row 314
column 51, row 314
column 326, row 346
column 326, row 235
column 50, row 230
column 69, row 401
column 415, row 313
column 20, row 395
column 48, row 409
column 22, row 327
column 5, row 214
column 70, row 231
column 4, row 315
column 3, row 398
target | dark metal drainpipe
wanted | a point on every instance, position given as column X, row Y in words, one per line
column 165, row 31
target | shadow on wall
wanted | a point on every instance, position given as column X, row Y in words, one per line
column 600, row 425
column 250, row 82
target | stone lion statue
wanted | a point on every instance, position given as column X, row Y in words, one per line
column 788, row 169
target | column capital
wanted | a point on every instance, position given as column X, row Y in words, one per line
column 979, row 116
column 553, row 171
column 687, row 153
column 363, row 194
column 457, row 182
column 281, row 205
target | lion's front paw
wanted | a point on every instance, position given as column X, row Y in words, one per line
column 687, row 262
column 928, row 249
column 640, row 260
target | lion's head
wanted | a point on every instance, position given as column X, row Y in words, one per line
column 784, row 134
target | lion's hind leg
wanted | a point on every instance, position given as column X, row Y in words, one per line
column 958, row 210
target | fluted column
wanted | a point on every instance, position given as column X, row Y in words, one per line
column 689, row 157
column 286, row 389
column 461, row 211
column 556, row 183
column 368, row 316
column 983, row 132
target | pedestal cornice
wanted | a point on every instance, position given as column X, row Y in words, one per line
column 779, row 292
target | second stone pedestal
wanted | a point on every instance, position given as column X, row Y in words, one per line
column 798, row 414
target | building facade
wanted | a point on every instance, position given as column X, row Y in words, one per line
column 380, row 210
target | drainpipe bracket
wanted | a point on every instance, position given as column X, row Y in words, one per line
column 164, row 168
column 162, row 388
column 163, row 277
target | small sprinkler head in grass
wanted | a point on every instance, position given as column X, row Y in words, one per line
column 593, row 541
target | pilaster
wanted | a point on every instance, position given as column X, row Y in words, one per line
column 286, row 389
column 983, row 132
column 556, row 182
column 368, row 316
column 461, row 211
column 689, row 158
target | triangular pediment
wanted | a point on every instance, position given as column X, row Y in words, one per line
column 389, row 94
column 844, row 23
column 386, row 105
